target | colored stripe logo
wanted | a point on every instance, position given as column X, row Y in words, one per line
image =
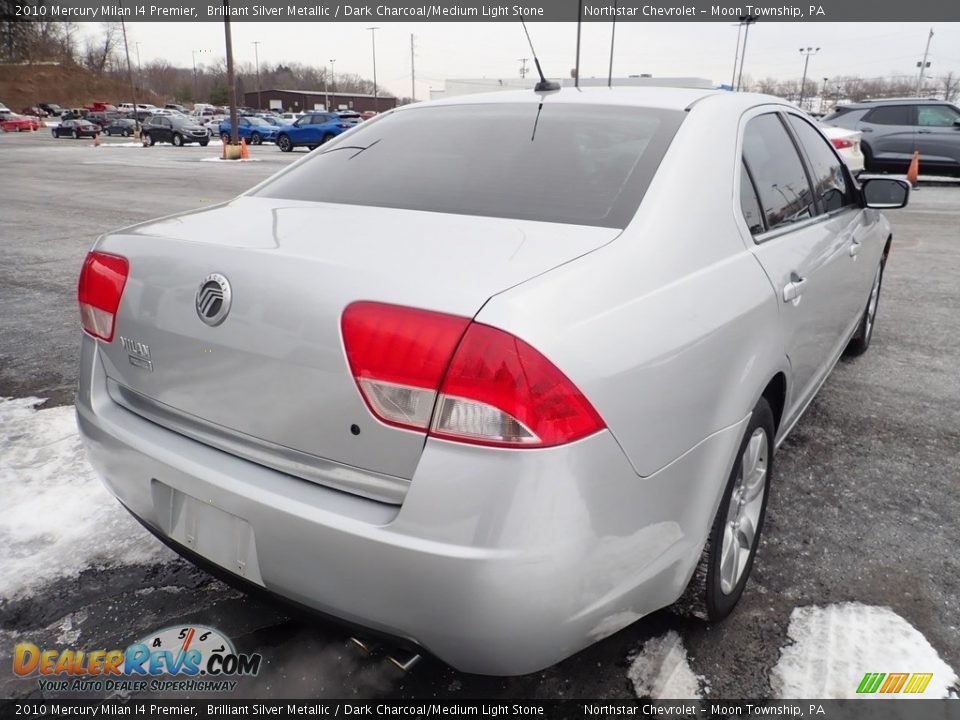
column 892, row 683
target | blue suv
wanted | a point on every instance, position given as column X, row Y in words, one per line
column 252, row 129
column 313, row 129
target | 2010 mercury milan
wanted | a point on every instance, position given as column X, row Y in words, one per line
column 529, row 394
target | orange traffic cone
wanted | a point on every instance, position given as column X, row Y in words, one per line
column 914, row 172
column 244, row 151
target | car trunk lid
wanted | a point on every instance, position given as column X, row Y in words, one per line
column 271, row 381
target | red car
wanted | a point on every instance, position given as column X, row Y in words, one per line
column 16, row 123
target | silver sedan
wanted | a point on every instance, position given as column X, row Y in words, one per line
column 488, row 374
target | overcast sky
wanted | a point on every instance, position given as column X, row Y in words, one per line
column 466, row 50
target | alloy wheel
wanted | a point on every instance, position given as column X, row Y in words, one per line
column 743, row 511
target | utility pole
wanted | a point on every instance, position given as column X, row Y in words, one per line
column 373, row 39
column 523, row 67
column 747, row 21
column 133, row 89
column 576, row 75
column 139, row 66
column 413, row 74
column 228, row 40
column 256, row 56
column 924, row 64
column 613, row 36
column 806, row 52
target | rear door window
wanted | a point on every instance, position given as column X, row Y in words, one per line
column 891, row 115
column 552, row 162
column 829, row 180
column 778, row 172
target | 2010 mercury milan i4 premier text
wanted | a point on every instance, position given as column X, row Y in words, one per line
column 531, row 392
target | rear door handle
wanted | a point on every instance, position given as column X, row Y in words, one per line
column 794, row 289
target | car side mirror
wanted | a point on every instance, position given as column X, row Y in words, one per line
column 885, row 193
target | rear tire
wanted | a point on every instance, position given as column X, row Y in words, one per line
column 204, row 143
column 722, row 573
column 861, row 338
column 151, row 140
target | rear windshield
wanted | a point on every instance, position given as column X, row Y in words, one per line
column 565, row 163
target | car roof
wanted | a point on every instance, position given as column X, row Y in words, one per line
column 657, row 97
column 877, row 102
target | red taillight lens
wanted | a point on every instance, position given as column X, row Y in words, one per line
column 398, row 356
column 500, row 391
column 840, row 143
column 464, row 381
column 102, row 280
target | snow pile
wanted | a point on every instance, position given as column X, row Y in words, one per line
column 661, row 671
column 57, row 517
column 833, row 647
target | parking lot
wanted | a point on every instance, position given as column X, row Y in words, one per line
column 864, row 506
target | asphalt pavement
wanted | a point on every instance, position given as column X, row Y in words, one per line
column 864, row 508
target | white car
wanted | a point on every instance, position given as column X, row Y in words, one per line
column 847, row 143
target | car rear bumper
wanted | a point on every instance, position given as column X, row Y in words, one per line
column 498, row 562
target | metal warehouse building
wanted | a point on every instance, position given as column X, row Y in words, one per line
column 299, row 100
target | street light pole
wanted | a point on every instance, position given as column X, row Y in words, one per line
column 256, row 57
column 373, row 38
column 823, row 95
column 806, row 52
column 133, row 89
column 736, row 56
column 333, row 78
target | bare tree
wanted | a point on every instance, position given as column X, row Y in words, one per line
column 99, row 52
column 950, row 84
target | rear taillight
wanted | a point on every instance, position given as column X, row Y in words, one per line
column 102, row 280
column 398, row 356
column 840, row 143
column 464, row 381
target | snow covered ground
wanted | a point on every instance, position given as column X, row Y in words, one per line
column 832, row 647
column 661, row 670
column 57, row 518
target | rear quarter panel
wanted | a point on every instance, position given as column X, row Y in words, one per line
column 671, row 330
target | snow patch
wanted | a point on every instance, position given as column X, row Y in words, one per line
column 661, row 671
column 57, row 518
column 220, row 159
column 831, row 649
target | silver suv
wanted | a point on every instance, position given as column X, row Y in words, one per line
column 894, row 128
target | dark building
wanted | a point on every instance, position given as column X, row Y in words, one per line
column 300, row 100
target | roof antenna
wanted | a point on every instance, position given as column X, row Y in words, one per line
column 544, row 85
